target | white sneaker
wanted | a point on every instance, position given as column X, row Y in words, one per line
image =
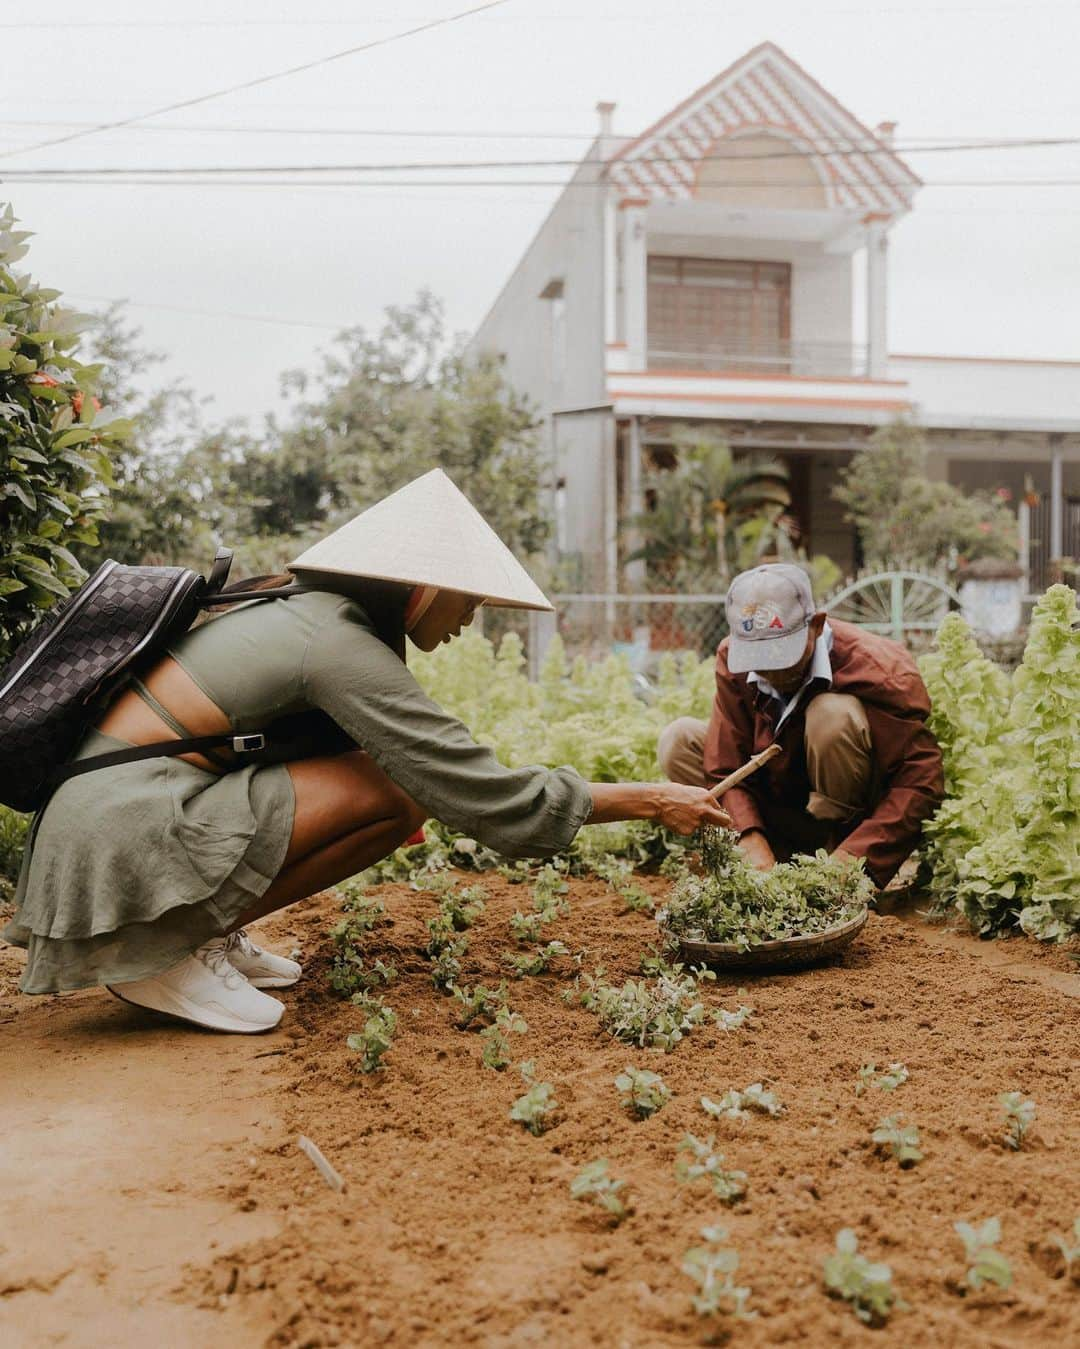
column 260, row 968
column 205, row 988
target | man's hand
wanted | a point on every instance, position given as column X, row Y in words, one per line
column 685, row 809
column 757, row 851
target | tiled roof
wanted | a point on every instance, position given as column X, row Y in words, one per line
column 766, row 91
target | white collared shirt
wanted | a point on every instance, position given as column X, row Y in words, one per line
column 820, row 668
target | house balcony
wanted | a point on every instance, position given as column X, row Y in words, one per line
column 790, row 381
column 829, row 360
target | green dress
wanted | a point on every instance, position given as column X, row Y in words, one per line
column 129, row 869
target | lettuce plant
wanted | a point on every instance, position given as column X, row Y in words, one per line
column 1069, row 1246
column 704, row 1162
column 1019, row 1114
column 1003, row 850
column 739, row 1104
column 478, row 1003
column 711, row 1267
column 535, row 962
column 642, row 1092
column 863, row 1283
column 594, row 1182
column 533, row 1108
column 376, row 1037
column 888, row 1079
column 985, row 1264
column 653, row 1015
column 496, row 1051
column 901, row 1139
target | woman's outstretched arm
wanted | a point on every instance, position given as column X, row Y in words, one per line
column 680, row 808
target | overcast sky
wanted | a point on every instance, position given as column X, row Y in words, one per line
column 974, row 270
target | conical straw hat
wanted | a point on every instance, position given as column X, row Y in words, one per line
column 427, row 533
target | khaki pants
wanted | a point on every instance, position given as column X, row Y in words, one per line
column 839, row 763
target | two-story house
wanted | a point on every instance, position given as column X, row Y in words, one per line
column 703, row 273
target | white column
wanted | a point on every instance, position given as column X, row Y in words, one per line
column 1057, row 500
column 877, row 258
column 634, row 259
column 611, row 518
column 611, row 276
column 635, row 503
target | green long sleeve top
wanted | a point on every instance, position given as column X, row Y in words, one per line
column 318, row 652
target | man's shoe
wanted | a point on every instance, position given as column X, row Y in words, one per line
column 260, row 968
column 205, row 989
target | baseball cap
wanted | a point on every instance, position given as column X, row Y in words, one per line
column 768, row 609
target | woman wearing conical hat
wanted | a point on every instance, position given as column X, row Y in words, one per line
column 143, row 876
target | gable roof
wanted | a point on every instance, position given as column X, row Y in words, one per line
column 766, row 91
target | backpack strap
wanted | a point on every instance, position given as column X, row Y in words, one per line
column 241, row 744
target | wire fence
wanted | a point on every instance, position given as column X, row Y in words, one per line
column 643, row 627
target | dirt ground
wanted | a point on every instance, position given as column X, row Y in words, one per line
column 151, row 1191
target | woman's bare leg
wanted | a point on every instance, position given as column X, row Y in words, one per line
column 349, row 814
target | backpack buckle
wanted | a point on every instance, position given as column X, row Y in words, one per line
column 249, row 744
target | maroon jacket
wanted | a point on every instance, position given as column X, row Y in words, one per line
column 883, row 676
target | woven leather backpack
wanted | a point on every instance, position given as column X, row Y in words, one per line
column 61, row 677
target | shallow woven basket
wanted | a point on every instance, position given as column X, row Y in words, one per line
column 787, row 953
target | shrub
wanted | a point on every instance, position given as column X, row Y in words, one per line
column 55, row 453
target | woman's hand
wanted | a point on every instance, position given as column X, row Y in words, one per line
column 686, row 809
column 682, row 809
column 755, row 847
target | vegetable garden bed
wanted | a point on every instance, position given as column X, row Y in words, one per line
column 459, row 1226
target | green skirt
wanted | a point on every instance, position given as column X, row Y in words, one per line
column 129, row 869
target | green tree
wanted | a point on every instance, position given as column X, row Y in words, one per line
column 55, row 452
column 904, row 520
column 383, row 409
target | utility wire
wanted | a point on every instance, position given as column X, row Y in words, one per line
column 259, row 80
column 209, row 313
column 177, row 179
column 423, row 166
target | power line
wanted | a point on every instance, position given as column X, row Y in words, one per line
column 323, row 131
column 176, row 178
column 259, row 80
column 423, row 166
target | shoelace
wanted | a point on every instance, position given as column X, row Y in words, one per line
column 217, row 962
column 241, row 942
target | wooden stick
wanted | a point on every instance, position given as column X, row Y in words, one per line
column 751, row 766
column 333, row 1178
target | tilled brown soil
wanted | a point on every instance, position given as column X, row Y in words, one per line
column 457, row 1227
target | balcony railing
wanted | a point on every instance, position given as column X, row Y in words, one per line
column 823, row 360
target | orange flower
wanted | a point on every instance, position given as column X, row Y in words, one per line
column 40, row 377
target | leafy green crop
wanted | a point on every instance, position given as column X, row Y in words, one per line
column 704, row 1162
column 655, row 1015
column 535, row 962
column 711, row 1267
column 371, row 1043
column 496, row 1051
column 1003, row 850
column 739, row 1104
column 985, row 1264
column 901, row 1139
column 643, row 1092
column 1069, row 1246
column 595, row 1183
column 888, row 1079
column 734, row 902
column 1019, row 1114
column 732, row 1020
column 866, row 1285
column 532, row 1109
column 478, row 1003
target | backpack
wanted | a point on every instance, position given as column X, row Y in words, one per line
column 64, row 673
